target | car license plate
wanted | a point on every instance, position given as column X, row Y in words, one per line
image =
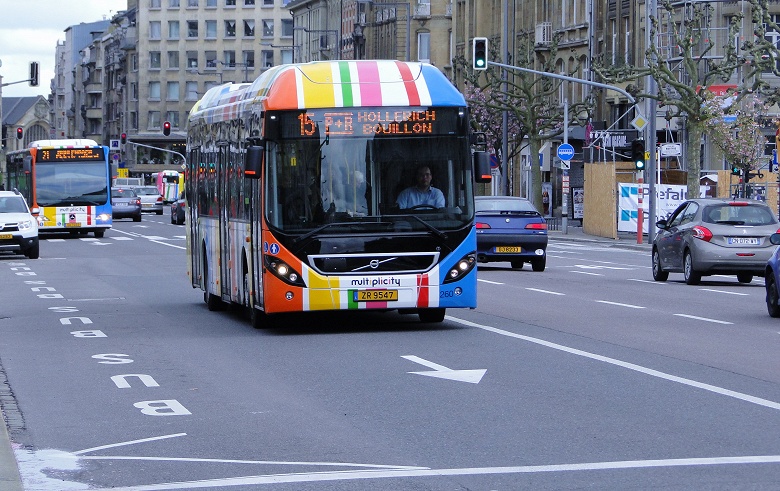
column 375, row 295
column 73, row 224
column 508, row 249
column 6, row 236
column 146, row 205
column 743, row 240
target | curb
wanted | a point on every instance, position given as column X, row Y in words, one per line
column 10, row 480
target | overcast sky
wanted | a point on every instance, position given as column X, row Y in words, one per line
column 30, row 30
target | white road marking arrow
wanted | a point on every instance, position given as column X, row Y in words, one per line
column 439, row 371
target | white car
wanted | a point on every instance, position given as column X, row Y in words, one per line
column 151, row 199
column 18, row 227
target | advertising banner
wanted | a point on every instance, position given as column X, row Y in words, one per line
column 668, row 198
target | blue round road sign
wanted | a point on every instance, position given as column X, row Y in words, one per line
column 565, row 151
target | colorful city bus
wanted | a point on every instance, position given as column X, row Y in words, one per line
column 168, row 184
column 292, row 191
column 66, row 183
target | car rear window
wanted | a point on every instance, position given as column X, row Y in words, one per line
column 123, row 193
column 739, row 214
column 147, row 191
column 507, row 205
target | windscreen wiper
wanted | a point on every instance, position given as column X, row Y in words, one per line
column 438, row 233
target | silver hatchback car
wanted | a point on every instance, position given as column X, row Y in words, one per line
column 715, row 236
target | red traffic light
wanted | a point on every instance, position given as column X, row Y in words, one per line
column 123, row 138
column 19, row 133
column 166, row 128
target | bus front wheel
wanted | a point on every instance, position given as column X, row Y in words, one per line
column 99, row 233
column 431, row 315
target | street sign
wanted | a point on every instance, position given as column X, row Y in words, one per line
column 565, row 151
column 639, row 122
column 671, row 150
column 114, row 144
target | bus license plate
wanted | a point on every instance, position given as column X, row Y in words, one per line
column 375, row 296
column 73, row 224
column 509, row 249
column 6, row 236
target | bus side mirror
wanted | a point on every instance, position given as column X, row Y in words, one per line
column 482, row 167
column 27, row 165
column 254, row 161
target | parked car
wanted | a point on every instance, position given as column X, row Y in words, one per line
column 18, row 227
column 125, row 203
column 510, row 229
column 178, row 208
column 709, row 236
column 151, row 199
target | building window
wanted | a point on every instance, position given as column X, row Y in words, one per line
column 211, row 29
column 173, row 118
column 424, row 47
column 134, row 62
column 154, row 30
column 249, row 3
column 192, row 91
column 268, row 58
column 192, row 3
column 268, row 27
column 287, row 56
column 212, row 4
column 173, row 29
column 154, row 4
column 154, row 91
column 249, row 59
column 192, row 29
column 287, row 27
column 268, row 3
column 173, row 4
column 249, row 28
column 133, row 120
column 154, row 120
column 134, row 91
column 192, row 59
column 230, row 3
column 230, row 28
column 211, row 59
column 230, row 58
column 173, row 59
column 172, row 91
column 154, row 59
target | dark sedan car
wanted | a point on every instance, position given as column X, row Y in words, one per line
column 125, row 203
column 510, row 229
column 178, row 208
column 714, row 236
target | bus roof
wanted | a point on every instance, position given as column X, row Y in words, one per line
column 332, row 84
column 64, row 143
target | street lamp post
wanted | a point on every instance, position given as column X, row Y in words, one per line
column 296, row 59
column 328, row 31
column 195, row 71
column 232, row 65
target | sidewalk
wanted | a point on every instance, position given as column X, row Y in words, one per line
column 626, row 240
column 9, row 472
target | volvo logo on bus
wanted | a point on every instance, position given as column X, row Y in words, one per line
column 374, row 263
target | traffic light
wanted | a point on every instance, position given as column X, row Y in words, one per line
column 167, row 128
column 480, row 53
column 34, row 69
column 123, row 138
column 19, row 133
column 638, row 154
column 735, row 170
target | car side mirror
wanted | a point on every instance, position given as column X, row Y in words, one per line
column 662, row 224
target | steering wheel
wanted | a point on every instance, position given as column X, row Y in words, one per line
column 423, row 207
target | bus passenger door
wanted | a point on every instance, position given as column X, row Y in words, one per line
column 223, row 198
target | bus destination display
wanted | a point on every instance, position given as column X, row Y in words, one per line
column 69, row 154
column 369, row 122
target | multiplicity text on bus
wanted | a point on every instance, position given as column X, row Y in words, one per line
column 66, row 183
column 334, row 186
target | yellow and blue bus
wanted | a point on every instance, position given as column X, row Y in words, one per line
column 66, row 184
column 292, row 191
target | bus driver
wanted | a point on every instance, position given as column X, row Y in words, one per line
column 422, row 193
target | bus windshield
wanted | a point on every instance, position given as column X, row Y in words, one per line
column 71, row 183
column 335, row 183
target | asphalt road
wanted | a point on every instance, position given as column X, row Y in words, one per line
column 586, row 376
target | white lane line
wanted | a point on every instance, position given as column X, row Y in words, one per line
column 55, row 240
column 260, row 462
column 637, row 368
column 491, row 282
column 167, row 244
column 648, row 281
column 696, row 317
column 130, row 442
column 122, row 238
column 467, row 471
column 585, row 272
column 724, row 291
column 630, row 306
column 544, row 291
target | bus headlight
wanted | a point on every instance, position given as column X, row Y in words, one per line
column 461, row 268
column 283, row 271
column 103, row 217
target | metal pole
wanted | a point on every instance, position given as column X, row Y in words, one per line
column 650, row 138
column 565, row 173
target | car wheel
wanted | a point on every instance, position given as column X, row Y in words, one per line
column 431, row 315
column 159, row 212
column 33, row 252
column 99, row 233
column 137, row 218
column 517, row 264
column 658, row 273
column 692, row 277
column 771, row 295
column 538, row 264
column 173, row 221
column 744, row 277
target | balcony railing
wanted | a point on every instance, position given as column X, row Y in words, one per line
column 543, row 33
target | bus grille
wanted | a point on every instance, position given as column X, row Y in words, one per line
column 373, row 263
